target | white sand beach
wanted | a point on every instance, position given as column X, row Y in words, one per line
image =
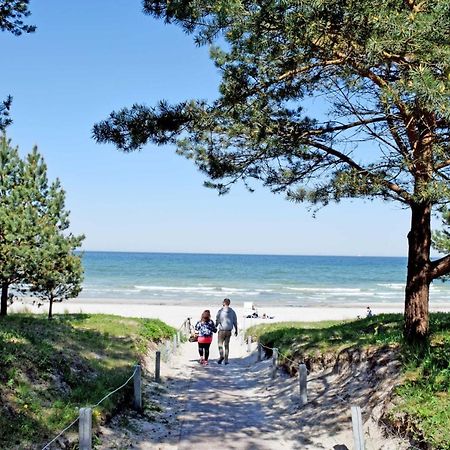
column 175, row 314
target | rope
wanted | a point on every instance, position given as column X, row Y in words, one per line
column 279, row 353
column 183, row 325
column 60, row 434
column 118, row 389
column 94, row 406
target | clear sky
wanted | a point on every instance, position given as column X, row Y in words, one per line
column 88, row 58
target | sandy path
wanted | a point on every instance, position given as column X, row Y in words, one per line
column 239, row 407
column 226, row 406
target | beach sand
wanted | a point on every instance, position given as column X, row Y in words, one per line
column 175, row 314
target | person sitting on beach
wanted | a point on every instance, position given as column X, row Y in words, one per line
column 205, row 328
column 254, row 313
column 226, row 320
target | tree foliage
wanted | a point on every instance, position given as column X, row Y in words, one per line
column 441, row 238
column 35, row 249
column 322, row 100
column 57, row 271
column 12, row 16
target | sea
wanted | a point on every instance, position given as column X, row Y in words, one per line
column 184, row 278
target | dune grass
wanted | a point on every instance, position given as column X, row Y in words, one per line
column 422, row 402
column 50, row 368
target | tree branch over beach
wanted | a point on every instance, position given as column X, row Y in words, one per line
column 12, row 15
column 381, row 70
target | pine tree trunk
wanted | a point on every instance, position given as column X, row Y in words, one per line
column 4, row 300
column 50, row 308
column 418, row 277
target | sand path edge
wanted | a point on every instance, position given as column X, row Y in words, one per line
column 239, row 407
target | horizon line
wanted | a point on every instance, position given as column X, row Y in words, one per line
column 237, row 254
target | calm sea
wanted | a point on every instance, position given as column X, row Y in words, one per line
column 276, row 280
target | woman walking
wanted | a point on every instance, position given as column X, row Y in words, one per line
column 205, row 328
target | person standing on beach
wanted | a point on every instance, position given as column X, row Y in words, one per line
column 205, row 328
column 226, row 320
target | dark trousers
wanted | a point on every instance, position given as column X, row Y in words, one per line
column 203, row 350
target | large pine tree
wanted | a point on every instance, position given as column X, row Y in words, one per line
column 380, row 69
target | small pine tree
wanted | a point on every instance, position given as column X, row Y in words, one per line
column 15, row 220
column 35, row 249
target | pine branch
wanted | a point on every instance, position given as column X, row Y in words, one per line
column 439, row 267
column 403, row 195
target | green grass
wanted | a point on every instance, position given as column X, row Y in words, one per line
column 422, row 402
column 50, row 368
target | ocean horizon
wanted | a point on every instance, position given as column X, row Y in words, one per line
column 278, row 280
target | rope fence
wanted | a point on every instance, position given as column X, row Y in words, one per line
column 85, row 414
column 357, row 423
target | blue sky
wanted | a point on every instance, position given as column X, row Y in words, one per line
column 88, row 58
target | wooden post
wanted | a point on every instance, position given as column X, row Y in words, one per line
column 137, row 402
column 302, row 381
column 274, row 363
column 188, row 326
column 249, row 344
column 174, row 343
column 85, row 429
column 358, row 435
column 259, row 351
column 167, row 350
column 158, row 367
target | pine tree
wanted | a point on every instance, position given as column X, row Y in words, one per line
column 14, row 221
column 381, row 70
column 57, row 271
column 33, row 228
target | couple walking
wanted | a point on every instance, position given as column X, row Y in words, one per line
column 226, row 320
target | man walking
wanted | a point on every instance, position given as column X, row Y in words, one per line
column 226, row 320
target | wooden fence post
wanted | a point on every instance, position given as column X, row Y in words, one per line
column 137, row 402
column 158, row 366
column 167, row 350
column 174, row 343
column 302, row 381
column 249, row 344
column 274, row 363
column 85, row 429
column 259, row 351
column 358, row 435
column 188, row 326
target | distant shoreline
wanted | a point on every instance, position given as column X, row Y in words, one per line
column 175, row 314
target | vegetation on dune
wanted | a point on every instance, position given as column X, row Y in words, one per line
column 422, row 401
column 49, row 369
